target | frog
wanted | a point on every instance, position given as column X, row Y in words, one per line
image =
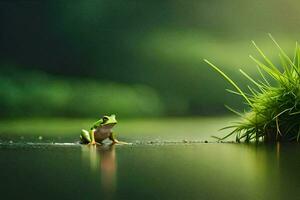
column 99, row 131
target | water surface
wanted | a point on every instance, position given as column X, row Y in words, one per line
column 168, row 159
column 150, row 171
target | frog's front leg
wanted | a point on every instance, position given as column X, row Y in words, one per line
column 112, row 137
column 92, row 134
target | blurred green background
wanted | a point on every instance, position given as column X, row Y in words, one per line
column 134, row 58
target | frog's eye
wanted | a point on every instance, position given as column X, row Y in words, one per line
column 105, row 118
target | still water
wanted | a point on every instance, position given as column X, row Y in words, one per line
column 150, row 171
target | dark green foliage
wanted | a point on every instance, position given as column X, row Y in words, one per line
column 274, row 113
column 35, row 94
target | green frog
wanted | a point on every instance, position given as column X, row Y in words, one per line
column 100, row 130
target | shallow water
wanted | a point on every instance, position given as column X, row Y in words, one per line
column 150, row 171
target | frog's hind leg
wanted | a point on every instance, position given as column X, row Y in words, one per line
column 85, row 137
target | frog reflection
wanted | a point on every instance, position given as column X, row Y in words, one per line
column 108, row 167
column 102, row 158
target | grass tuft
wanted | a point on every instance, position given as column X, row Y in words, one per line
column 274, row 113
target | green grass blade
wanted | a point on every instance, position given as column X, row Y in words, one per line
column 265, row 57
column 284, row 54
column 229, row 80
column 237, row 93
column 263, row 76
column 234, row 111
column 251, row 79
column 275, row 74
